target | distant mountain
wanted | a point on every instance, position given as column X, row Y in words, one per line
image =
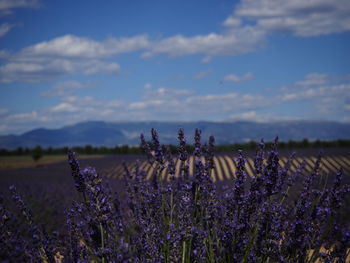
column 99, row 133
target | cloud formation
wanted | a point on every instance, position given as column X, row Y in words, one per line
column 233, row 42
column 73, row 55
column 156, row 104
column 3, row 111
column 71, row 46
column 147, row 86
column 5, row 28
column 340, row 91
column 259, row 117
column 325, row 95
column 67, row 55
column 297, row 17
column 245, row 31
column 253, row 21
column 313, row 79
column 66, row 88
column 202, row 74
column 236, row 78
column 164, row 104
column 7, row 6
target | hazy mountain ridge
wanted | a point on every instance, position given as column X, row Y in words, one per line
column 99, row 133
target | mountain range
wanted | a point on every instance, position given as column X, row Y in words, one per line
column 100, row 133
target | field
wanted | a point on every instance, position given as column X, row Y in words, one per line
column 226, row 167
column 18, row 169
column 23, row 170
column 26, row 161
column 48, row 188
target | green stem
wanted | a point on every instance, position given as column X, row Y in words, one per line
column 171, row 206
column 102, row 242
column 183, row 251
column 284, row 196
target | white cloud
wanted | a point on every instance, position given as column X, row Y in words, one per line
column 25, row 117
column 6, row 6
column 3, row 111
column 340, row 91
column 21, row 122
column 206, row 59
column 137, row 105
column 313, row 79
column 165, row 104
column 297, row 17
column 35, row 72
column 202, row 74
column 233, row 42
column 67, row 88
column 4, row 54
column 5, row 28
column 158, row 104
column 114, row 104
column 246, row 30
column 65, row 107
column 147, row 86
column 166, row 94
column 258, row 117
column 94, row 67
column 252, row 21
column 24, row 70
column 232, row 21
column 70, row 46
column 249, row 115
column 236, row 78
column 323, row 93
column 67, row 55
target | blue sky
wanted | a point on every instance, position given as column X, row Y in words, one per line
column 63, row 62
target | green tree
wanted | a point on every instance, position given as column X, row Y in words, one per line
column 37, row 153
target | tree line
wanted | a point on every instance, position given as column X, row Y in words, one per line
column 125, row 149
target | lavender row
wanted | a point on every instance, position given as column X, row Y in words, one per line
column 277, row 215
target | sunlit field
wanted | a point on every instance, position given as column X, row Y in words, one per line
column 225, row 166
column 19, row 162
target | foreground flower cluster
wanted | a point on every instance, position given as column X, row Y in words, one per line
column 279, row 215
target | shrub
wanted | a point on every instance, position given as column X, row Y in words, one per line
column 271, row 217
column 37, row 153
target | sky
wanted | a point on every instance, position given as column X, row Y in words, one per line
column 63, row 62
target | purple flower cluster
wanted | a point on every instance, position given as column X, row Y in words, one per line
column 278, row 215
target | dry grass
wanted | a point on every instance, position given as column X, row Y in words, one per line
column 17, row 162
column 318, row 260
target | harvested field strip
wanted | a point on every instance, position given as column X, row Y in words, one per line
column 231, row 166
column 150, row 171
column 218, row 170
column 249, row 166
column 191, row 171
column 310, row 165
column 346, row 160
column 225, row 167
column 177, row 168
column 341, row 163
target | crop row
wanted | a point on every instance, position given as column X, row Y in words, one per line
column 225, row 167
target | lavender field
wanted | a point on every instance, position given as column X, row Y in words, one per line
column 261, row 207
